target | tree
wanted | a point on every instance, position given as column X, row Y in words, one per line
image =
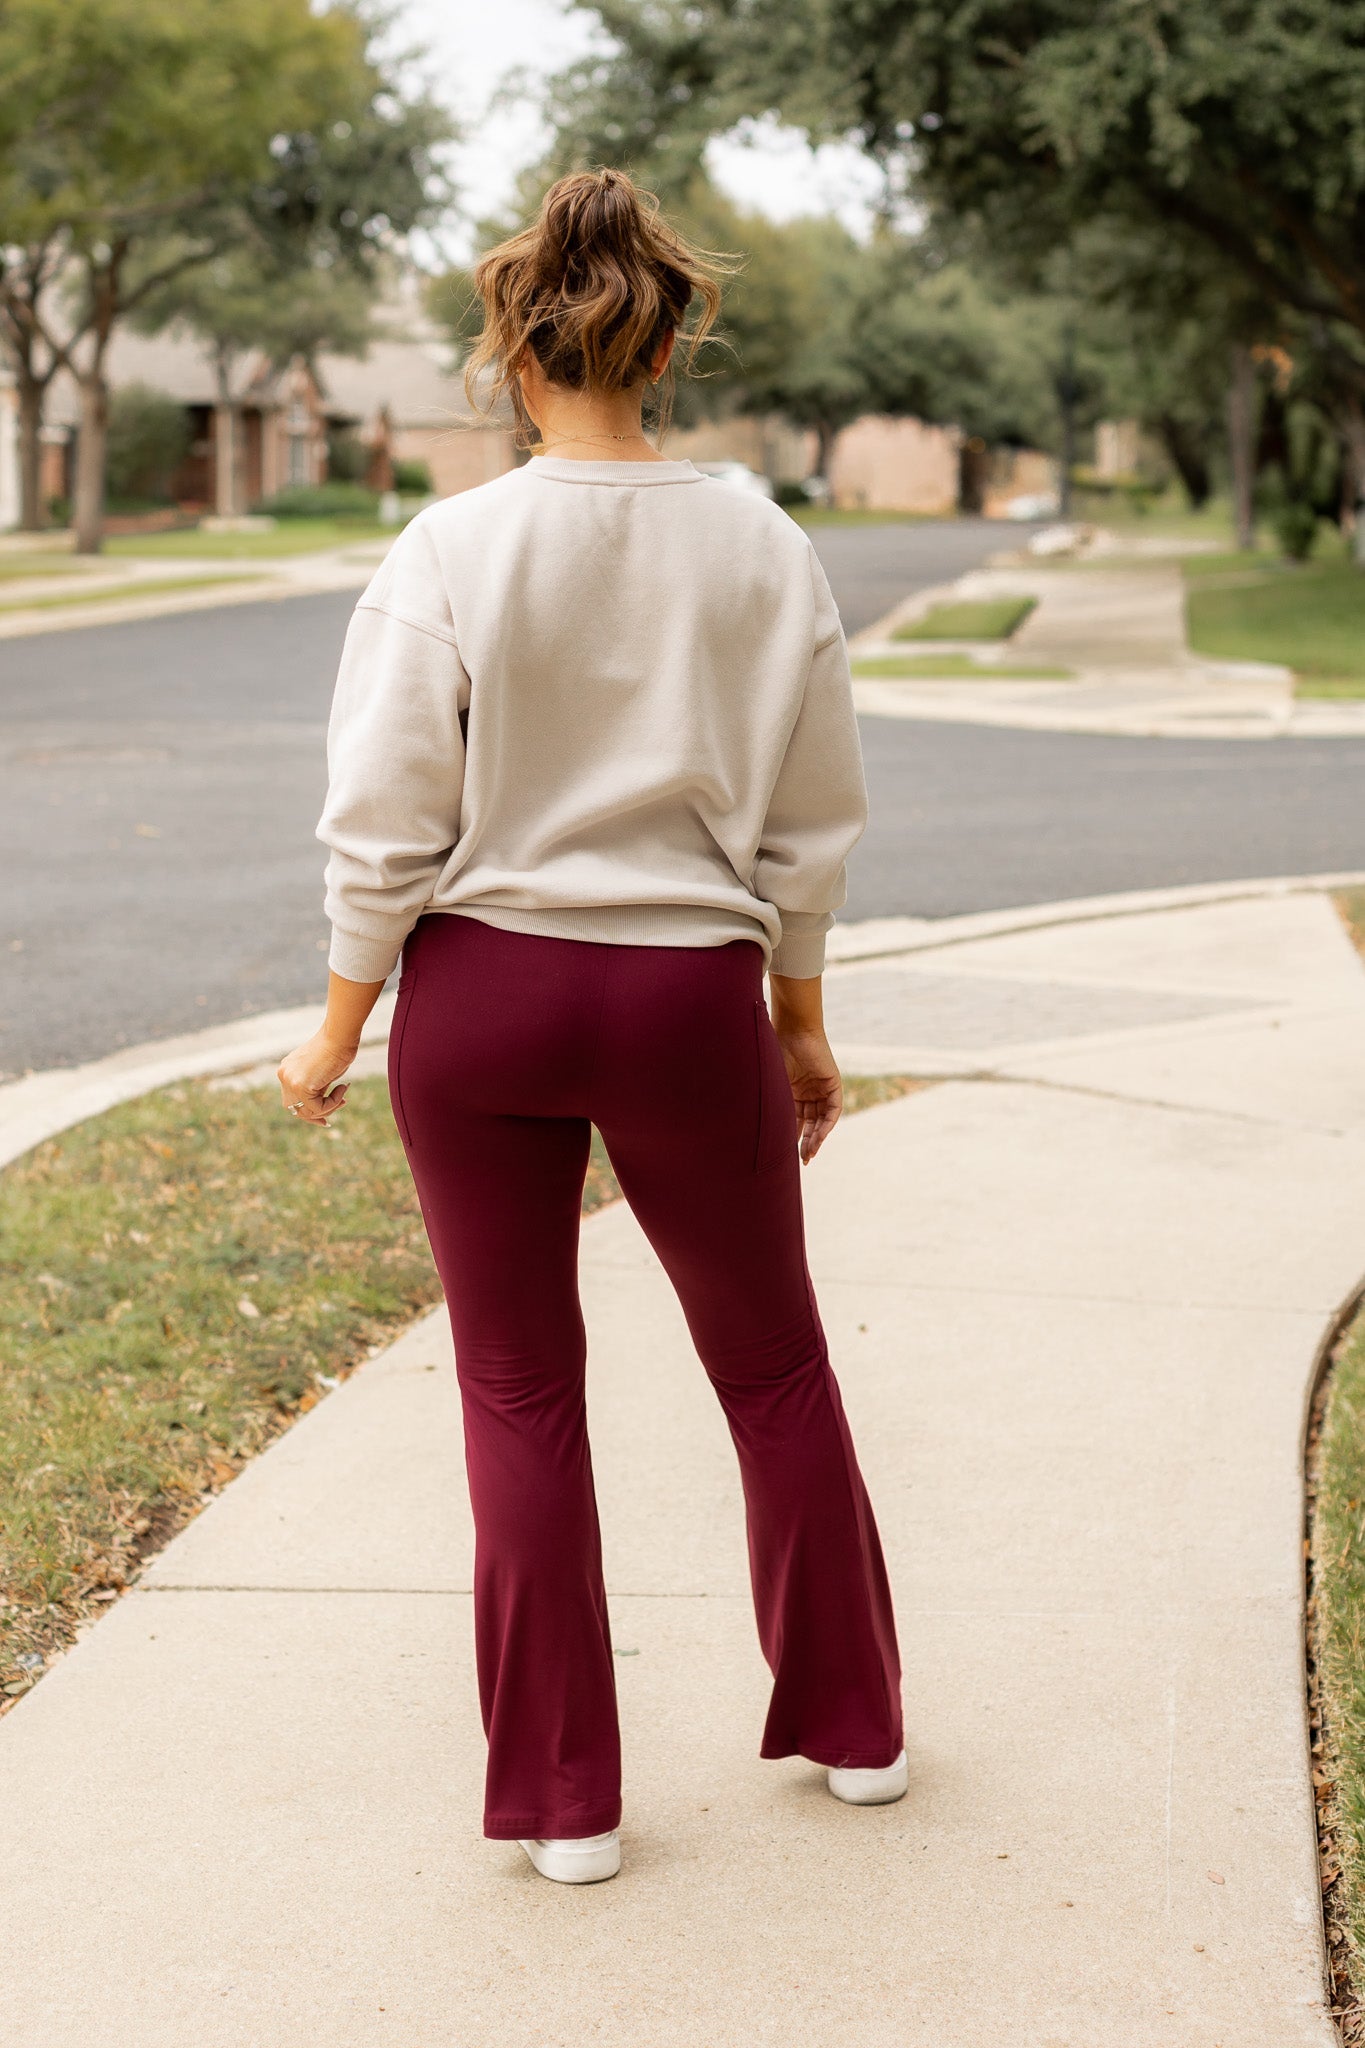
column 140, row 139
column 1236, row 129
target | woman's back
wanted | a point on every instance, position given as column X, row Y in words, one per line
column 617, row 694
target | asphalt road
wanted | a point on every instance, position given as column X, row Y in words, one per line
column 160, row 781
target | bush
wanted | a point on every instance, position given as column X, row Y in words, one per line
column 1296, row 528
column 347, row 459
column 322, row 501
column 149, row 437
column 412, row 479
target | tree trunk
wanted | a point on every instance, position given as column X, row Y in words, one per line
column 973, row 464
column 1188, row 457
column 824, row 447
column 1241, row 441
column 224, row 436
column 32, row 510
column 1068, row 392
column 224, row 461
column 1353, row 432
column 90, row 456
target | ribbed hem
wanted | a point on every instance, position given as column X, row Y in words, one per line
column 563, row 472
column 800, row 956
column 358, row 959
column 621, row 924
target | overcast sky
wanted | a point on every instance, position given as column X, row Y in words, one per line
column 475, row 44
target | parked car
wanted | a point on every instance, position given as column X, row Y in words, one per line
column 739, row 475
column 1036, row 505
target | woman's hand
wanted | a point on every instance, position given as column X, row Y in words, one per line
column 817, row 1090
column 308, row 1078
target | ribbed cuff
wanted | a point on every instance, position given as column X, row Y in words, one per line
column 801, row 955
column 357, row 959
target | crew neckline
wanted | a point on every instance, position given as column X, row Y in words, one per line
column 562, row 470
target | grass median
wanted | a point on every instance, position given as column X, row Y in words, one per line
column 117, row 593
column 179, row 1280
column 985, row 618
column 289, row 537
column 954, row 668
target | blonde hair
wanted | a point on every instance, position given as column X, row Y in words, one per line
column 592, row 288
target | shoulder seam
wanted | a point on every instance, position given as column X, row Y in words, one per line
column 418, row 625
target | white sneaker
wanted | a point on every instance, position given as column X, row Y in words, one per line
column 871, row 1788
column 585, row 1861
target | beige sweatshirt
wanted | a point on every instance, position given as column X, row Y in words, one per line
column 596, row 700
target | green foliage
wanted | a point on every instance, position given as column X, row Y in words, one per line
column 1184, row 178
column 140, row 139
column 323, row 501
column 149, row 437
column 1244, row 126
column 412, row 479
column 1296, row 528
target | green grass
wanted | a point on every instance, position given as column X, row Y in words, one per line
column 25, row 562
column 177, row 1279
column 987, row 618
column 950, row 667
column 1170, row 518
column 1336, row 1628
column 1308, row 615
column 117, row 593
column 290, row 537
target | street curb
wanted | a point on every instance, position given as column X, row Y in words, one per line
column 41, row 1105
column 264, row 588
column 882, row 937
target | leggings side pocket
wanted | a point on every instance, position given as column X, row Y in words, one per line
column 402, row 1010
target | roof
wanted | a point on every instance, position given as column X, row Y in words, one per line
column 412, row 374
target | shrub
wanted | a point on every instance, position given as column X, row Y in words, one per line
column 149, row 437
column 412, row 479
column 1296, row 528
column 322, row 501
column 347, row 459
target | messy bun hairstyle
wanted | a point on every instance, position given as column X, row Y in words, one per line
column 592, row 288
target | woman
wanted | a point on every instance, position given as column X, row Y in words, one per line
column 593, row 768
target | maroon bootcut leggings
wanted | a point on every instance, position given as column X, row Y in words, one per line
column 505, row 1048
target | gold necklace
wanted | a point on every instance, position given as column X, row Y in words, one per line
column 593, row 440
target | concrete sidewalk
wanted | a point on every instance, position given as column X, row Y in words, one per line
column 1120, row 632
column 1074, row 1299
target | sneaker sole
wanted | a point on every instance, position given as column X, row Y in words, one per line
column 590, row 1866
column 871, row 1788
